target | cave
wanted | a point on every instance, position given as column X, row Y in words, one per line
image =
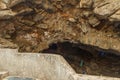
column 85, row 32
column 85, row 62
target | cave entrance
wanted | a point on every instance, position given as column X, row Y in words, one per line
column 85, row 62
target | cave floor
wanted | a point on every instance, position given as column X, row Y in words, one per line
column 108, row 65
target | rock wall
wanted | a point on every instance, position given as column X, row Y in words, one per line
column 34, row 24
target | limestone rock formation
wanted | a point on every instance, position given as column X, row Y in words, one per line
column 108, row 8
column 34, row 24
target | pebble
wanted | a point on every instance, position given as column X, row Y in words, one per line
column 72, row 20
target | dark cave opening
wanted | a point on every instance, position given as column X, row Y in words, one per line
column 85, row 62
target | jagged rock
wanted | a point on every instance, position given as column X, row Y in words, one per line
column 25, row 11
column 2, row 5
column 86, row 3
column 107, row 8
column 12, row 3
column 6, row 14
column 115, row 16
column 27, row 22
column 86, row 13
column 40, row 16
column 6, row 1
column 93, row 21
column 47, row 6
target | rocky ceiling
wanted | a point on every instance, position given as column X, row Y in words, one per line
column 34, row 24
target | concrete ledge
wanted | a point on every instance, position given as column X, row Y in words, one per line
column 90, row 77
column 41, row 66
column 18, row 78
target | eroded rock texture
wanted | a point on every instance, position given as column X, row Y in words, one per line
column 34, row 24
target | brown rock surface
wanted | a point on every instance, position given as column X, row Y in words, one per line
column 34, row 24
